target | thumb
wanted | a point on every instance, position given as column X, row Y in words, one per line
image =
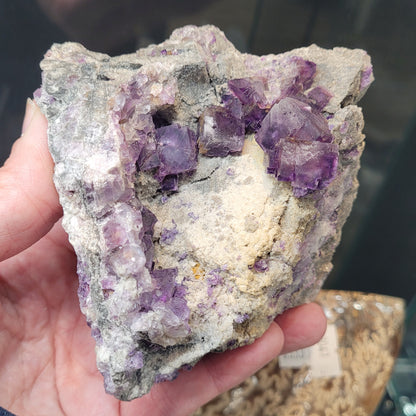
column 29, row 204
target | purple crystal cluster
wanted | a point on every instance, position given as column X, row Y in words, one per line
column 184, row 245
column 169, row 150
column 290, row 128
column 288, row 124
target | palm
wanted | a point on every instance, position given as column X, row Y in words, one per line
column 47, row 359
column 48, row 350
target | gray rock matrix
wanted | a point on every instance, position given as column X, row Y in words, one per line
column 233, row 246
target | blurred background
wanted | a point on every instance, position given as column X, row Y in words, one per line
column 377, row 253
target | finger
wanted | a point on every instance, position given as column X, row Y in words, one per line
column 213, row 375
column 29, row 203
column 303, row 326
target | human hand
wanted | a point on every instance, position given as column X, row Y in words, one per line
column 47, row 358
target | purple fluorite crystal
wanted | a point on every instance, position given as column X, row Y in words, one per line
column 366, row 77
column 233, row 105
column 172, row 152
column 297, row 141
column 249, row 91
column 306, row 165
column 253, row 118
column 176, row 150
column 299, row 76
column 292, row 118
column 168, row 235
column 319, row 97
column 261, row 266
column 167, row 301
column 220, row 132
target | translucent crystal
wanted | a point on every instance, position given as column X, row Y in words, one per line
column 220, row 132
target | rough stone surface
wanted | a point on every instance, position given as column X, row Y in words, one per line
column 204, row 190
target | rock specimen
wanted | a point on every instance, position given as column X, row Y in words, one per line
column 204, row 190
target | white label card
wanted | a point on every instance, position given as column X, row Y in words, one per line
column 295, row 359
column 322, row 358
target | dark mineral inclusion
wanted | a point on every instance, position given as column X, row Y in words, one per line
column 204, row 190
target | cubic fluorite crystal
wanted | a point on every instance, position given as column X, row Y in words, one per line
column 299, row 145
column 204, row 190
column 220, row 132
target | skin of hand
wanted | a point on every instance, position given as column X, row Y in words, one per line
column 47, row 358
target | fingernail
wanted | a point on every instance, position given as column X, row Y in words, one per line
column 30, row 112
